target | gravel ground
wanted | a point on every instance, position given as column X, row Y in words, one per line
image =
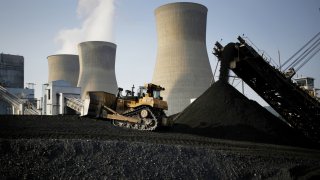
column 68, row 147
column 75, row 158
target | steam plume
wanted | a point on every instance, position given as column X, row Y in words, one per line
column 97, row 25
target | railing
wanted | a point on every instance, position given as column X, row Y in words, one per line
column 261, row 52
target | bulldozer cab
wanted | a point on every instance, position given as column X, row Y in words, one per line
column 153, row 90
column 147, row 95
column 142, row 92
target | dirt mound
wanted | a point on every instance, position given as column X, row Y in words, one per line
column 223, row 112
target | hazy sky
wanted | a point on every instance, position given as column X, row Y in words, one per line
column 30, row 28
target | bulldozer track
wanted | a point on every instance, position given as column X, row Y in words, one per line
column 141, row 126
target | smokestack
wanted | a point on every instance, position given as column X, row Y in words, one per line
column 97, row 67
column 64, row 67
column 182, row 64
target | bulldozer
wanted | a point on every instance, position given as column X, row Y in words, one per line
column 144, row 111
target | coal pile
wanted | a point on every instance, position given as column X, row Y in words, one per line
column 69, row 147
column 101, row 159
column 223, row 112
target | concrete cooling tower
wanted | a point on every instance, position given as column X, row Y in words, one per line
column 97, row 67
column 64, row 67
column 182, row 64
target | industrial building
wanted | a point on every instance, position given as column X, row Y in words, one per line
column 11, row 71
column 64, row 67
column 307, row 83
column 97, row 67
column 55, row 94
column 14, row 97
column 182, row 64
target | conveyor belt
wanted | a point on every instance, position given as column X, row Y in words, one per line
column 295, row 105
column 25, row 108
column 75, row 104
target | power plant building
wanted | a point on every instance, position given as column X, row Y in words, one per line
column 97, row 67
column 11, row 71
column 182, row 64
column 64, row 67
column 12, row 91
column 54, row 97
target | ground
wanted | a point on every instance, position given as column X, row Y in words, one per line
column 38, row 147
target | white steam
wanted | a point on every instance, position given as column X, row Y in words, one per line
column 97, row 25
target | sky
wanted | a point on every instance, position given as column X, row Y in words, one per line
column 36, row 29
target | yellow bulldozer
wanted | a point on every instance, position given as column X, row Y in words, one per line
column 145, row 111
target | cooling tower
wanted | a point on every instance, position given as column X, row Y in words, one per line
column 97, row 67
column 182, row 64
column 64, row 67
